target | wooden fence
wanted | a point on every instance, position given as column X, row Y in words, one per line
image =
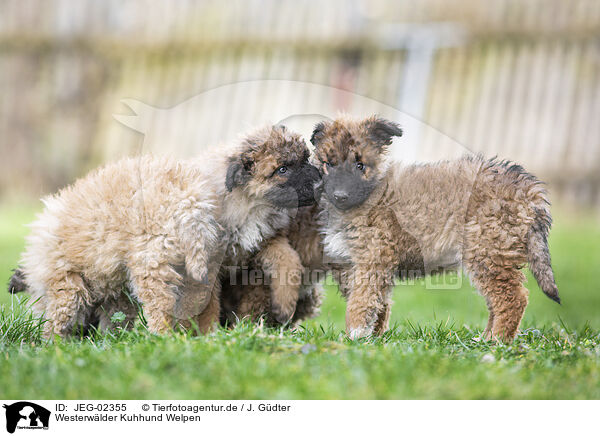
column 518, row 79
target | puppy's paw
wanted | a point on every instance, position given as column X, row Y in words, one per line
column 196, row 266
column 359, row 332
column 283, row 311
column 200, row 275
column 48, row 334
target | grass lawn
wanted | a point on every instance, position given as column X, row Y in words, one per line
column 430, row 352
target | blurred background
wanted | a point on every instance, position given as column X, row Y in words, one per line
column 513, row 78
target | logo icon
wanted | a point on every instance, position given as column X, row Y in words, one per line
column 26, row 415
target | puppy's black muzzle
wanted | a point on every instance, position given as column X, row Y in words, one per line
column 298, row 190
column 346, row 188
column 308, row 191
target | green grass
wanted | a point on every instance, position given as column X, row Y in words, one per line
column 430, row 352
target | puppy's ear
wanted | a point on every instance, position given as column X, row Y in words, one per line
column 381, row 130
column 238, row 174
column 318, row 133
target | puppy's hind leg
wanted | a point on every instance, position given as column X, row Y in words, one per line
column 487, row 333
column 506, row 298
column 508, row 312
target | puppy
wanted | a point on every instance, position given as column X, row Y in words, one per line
column 162, row 230
column 279, row 171
column 490, row 216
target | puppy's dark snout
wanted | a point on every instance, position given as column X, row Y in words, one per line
column 340, row 196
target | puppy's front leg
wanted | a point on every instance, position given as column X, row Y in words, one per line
column 282, row 263
column 368, row 298
column 382, row 324
column 155, row 287
column 208, row 320
column 202, row 243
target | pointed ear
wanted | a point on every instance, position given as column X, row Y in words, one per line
column 381, row 130
column 318, row 133
column 237, row 175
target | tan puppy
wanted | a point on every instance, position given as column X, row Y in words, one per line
column 492, row 217
column 162, row 230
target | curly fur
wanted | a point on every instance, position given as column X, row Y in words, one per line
column 124, row 226
column 161, row 230
column 490, row 216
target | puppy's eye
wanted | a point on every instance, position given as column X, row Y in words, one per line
column 282, row 170
column 360, row 166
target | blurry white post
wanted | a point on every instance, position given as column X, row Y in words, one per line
column 421, row 43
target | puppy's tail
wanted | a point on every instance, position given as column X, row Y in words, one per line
column 538, row 254
column 17, row 282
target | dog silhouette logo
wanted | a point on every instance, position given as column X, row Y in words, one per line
column 26, row 415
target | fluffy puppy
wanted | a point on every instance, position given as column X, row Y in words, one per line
column 274, row 168
column 162, row 230
column 490, row 216
column 125, row 226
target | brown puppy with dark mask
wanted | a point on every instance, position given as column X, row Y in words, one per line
column 489, row 217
